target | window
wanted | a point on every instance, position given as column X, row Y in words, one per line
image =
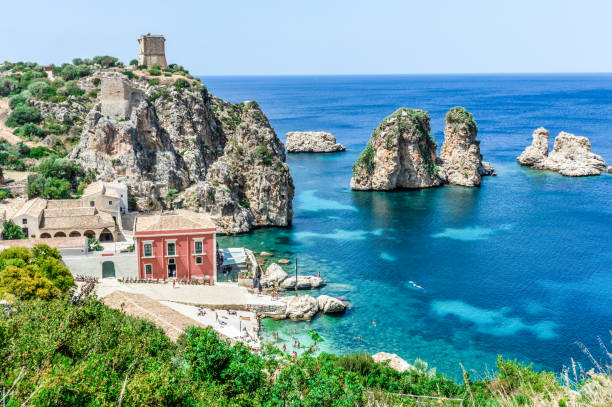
column 171, row 261
column 198, row 247
column 198, row 260
column 24, row 221
column 110, row 203
column 147, row 249
column 148, row 269
column 91, row 203
column 171, row 249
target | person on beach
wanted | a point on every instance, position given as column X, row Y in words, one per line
column 284, row 348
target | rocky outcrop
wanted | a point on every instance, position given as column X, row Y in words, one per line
column 301, row 308
column 330, row 305
column 460, row 160
column 273, row 276
column 312, row 142
column 571, row 155
column 223, row 159
column 303, row 283
column 401, row 153
column 394, row 361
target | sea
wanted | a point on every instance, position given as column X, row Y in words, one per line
column 520, row 267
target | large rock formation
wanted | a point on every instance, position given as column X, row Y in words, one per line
column 222, row 158
column 301, row 308
column 401, row 153
column 571, row 155
column 460, row 159
column 312, row 142
column 303, row 283
column 273, row 276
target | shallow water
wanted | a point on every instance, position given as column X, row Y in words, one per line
column 520, row 267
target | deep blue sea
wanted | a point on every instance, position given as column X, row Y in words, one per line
column 520, row 267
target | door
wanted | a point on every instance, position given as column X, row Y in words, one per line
column 108, row 269
column 171, row 268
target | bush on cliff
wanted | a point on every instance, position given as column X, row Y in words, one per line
column 10, row 231
column 23, row 114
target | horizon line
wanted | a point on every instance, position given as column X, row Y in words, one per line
column 411, row 74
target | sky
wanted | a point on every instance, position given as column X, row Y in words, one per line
column 314, row 37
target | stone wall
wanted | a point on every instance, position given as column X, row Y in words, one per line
column 126, row 265
column 116, row 97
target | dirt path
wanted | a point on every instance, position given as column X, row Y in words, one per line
column 171, row 321
column 7, row 132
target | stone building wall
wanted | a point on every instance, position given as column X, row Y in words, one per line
column 152, row 50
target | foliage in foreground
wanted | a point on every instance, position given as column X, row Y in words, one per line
column 36, row 273
column 60, row 353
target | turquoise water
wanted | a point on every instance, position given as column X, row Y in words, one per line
column 520, row 267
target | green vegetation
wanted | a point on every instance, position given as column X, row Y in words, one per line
column 23, row 114
column 37, row 273
column 134, row 62
column 154, row 72
column 105, row 61
column 365, row 159
column 129, row 74
column 181, row 84
column 4, row 192
column 153, row 82
column 93, row 245
column 10, row 231
column 458, row 116
column 77, row 352
column 55, row 178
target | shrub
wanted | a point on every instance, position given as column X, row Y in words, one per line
column 93, row 93
column 154, row 72
column 365, row 159
column 8, row 86
column 60, row 168
column 129, row 74
column 105, row 61
column 153, row 82
column 142, row 66
column 96, row 81
column 23, row 114
column 181, row 84
column 18, row 99
column 10, row 231
column 134, row 62
column 30, row 130
column 156, row 66
column 5, row 193
column 48, row 187
column 74, row 90
column 39, row 152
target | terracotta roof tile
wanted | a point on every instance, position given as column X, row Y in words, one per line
column 178, row 220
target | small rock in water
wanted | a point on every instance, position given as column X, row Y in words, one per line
column 330, row 305
column 312, row 142
column 284, row 261
column 265, row 254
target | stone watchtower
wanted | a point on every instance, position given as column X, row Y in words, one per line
column 152, row 50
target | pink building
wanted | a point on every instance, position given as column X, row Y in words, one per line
column 179, row 244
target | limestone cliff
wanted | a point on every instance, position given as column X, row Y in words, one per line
column 460, row 159
column 401, row 153
column 221, row 158
column 571, row 155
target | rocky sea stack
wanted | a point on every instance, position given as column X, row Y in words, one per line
column 401, row 153
column 312, row 142
column 571, row 155
column 174, row 139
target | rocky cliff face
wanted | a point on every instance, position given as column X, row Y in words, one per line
column 402, row 154
column 571, row 155
column 312, row 142
column 460, row 159
column 221, row 158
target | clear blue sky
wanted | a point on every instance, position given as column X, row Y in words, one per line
column 268, row 37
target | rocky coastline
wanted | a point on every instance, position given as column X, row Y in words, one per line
column 401, row 153
column 571, row 155
column 182, row 142
column 312, row 142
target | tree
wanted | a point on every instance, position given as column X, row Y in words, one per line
column 10, row 231
column 48, row 187
column 33, row 273
column 134, row 62
column 105, row 61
